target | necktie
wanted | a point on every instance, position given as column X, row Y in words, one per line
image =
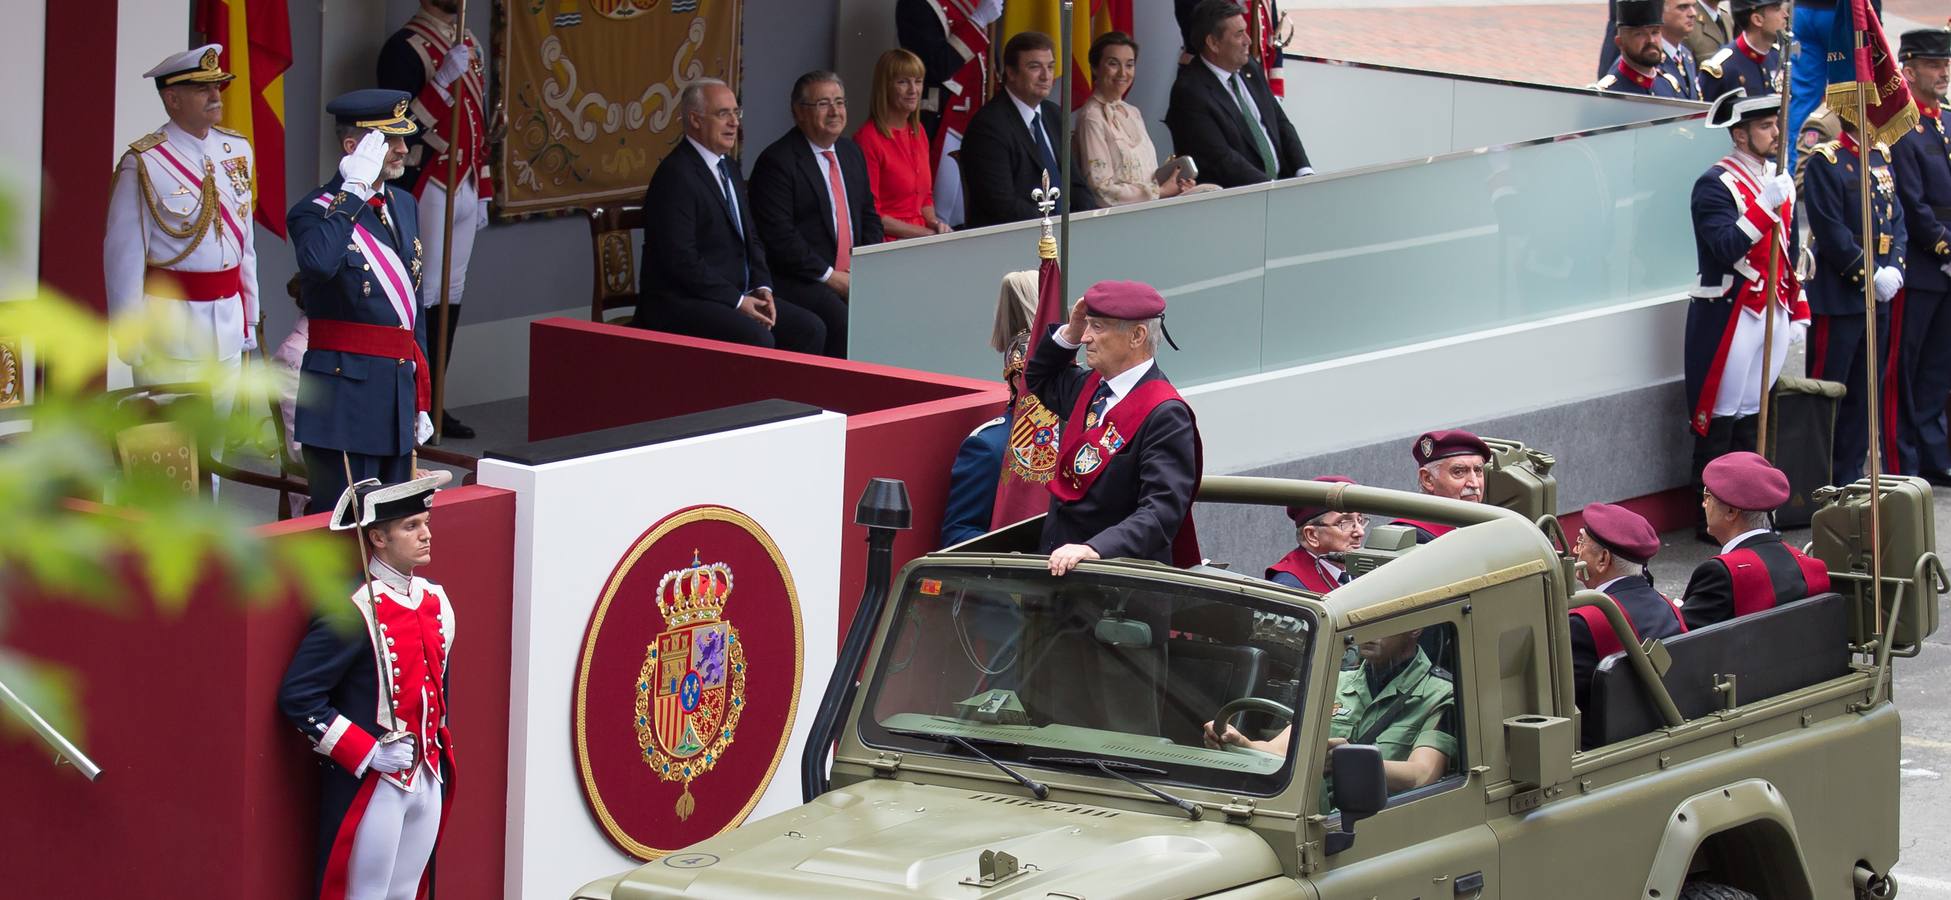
column 843, row 219
column 1253, row 129
column 1344, row 578
column 731, row 197
column 1043, row 147
column 1099, row 402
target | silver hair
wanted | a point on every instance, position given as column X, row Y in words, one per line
column 692, row 98
column 1154, row 331
column 1624, row 566
column 1752, row 519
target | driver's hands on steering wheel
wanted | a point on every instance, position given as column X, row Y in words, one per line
column 1232, row 737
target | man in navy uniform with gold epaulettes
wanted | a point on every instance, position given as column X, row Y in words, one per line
column 1750, row 61
column 363, row 388
column 1923, row 162
column 1641, row 66
column 1832, row 207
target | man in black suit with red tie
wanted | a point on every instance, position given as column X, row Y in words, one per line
column 798, row 185
column 704, row 269
column 1222, row 113
column 1014, row 139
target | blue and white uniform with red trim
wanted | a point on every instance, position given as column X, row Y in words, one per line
column 1739, row 65
column 1832, row 207
column 348, row 693
column 1624, row 79
column 364, row 377
column 1923, row 163
column 180, row 242
column 1755, row 571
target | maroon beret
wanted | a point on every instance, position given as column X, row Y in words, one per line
column 1435, row 445
column 1745, row 480
column 1302, row 514
column 1134, row 300
column 1626, row 533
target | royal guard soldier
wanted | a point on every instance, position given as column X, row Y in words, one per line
column 1449, row 463
column 1641, row 66
column 1614, row 545
column 1742, row 209
column 363, row 387
column 1832, row 208
column 1322, row 536
column 179, row 239
column 1128, row 461
column 373, row 701
column 1756, row 569
column 1923, row 163
column 1749, row 61
column 445, row 79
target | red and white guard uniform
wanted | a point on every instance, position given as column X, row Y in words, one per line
column 408, row 62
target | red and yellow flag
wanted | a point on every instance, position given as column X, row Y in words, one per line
column 254, row 104
column 1093, row 18
column 1862, row 69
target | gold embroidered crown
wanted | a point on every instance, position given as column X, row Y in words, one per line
column 694, row 594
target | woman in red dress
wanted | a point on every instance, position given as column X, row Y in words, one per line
column 896, row 148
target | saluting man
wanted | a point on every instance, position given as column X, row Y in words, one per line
column 1832, row 206
column 1450, row 464
column 1739, row 205
column 1615, row 544
column 179, row 237
column 1641, row 66
column 1756, row 570
column 374, row 702
column 1322, row 536
column 1923, row 162
column 445, row 79
column 1128, row 460
column 363, row 388
column 1750, row 61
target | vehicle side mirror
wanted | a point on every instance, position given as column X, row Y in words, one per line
column 1361, row 790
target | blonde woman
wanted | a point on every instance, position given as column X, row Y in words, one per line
column 896, row 148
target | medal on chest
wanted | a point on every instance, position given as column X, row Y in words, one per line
column 238, row 168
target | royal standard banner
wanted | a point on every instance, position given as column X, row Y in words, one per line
column 590, row 88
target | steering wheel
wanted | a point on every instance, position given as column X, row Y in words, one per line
column 1250, row 704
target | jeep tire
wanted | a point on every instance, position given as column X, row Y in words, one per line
column 1704, row 890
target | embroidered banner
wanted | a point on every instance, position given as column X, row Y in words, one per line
column 590, row 88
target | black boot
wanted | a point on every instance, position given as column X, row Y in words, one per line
column 449, row 426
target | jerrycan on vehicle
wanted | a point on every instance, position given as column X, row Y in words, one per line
column 1519, row 478
column 1840, row 537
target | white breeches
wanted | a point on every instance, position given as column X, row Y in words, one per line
column 948, row 183
column 394, row 841
column 1740, row 389
column 433, row 218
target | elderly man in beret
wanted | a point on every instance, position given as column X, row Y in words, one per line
column 1756, row 570
column 1614, row 545
column 1323, row 535
column 1128, row 460
column 1448, row 464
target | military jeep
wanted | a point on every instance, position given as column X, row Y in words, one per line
column 1022, row 735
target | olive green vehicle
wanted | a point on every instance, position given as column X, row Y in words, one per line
column 1019, row 735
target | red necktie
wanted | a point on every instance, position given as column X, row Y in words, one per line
column 843, row 221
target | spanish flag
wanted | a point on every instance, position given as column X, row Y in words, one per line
column 1093, row 18
column 263, row 29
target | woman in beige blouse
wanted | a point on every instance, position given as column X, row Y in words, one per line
column 1117, row 154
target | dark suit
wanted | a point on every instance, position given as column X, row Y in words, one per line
column 795, row 219
column 1710, row 590
column 1923, row 163
column 1207, row 125
column 1652, row 615
column 354, row 410
column 1001, row 164
column 698, row 262
column 1138, row 501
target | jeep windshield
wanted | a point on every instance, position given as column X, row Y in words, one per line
column 1117, row 667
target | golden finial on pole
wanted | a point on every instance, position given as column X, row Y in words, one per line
column 1046, row 198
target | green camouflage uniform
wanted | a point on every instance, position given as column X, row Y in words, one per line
column 1427, row 697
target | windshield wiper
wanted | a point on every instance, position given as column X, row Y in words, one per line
column 1041, row 790
column 1111, row 767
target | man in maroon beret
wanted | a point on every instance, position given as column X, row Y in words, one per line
column 1614, row 545
column 1449, row 464
column 1323, row 535
column 1128, row 460
column 1756, row 569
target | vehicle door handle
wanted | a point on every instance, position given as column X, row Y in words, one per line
column 1470, row 886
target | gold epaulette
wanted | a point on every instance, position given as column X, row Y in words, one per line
column 1827, row 150
column 147, row 142
column 1712, row 64
column 230, row 132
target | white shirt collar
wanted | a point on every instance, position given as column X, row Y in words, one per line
column 1730, row 545
column 1672, row 50
column 1334, row 571
column 819, row 150
column 188, row 141
column 711, row 159
column 1225, row 77
column 1607, row 587
column 1025, row 110
column 1122, row 383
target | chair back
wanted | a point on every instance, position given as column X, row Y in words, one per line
column 613, row 243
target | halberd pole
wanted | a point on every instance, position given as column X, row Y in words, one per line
column 1775, row 236
column 457, row 111
column 1064, row 163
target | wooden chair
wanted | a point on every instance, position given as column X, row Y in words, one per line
column 613, row 243
column 164, row 447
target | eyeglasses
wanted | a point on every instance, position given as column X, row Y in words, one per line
column 728, row 115
column 1345, row 523
column 828, row 105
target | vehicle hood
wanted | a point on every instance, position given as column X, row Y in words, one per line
column 892, row 839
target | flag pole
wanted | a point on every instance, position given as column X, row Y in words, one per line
column 1064, row 163
column 1872, row 369
column 1786, row 40
column 458, row 110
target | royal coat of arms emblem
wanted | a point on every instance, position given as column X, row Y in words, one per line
column 692, row 686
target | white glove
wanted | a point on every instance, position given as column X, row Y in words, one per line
column 452, row 66
column 362, row 166
column 987, row 11
column 1798, row 332
column 1946, row 268
column 423, row 428
column 250, row 342
column 1777, row 190
column 481, row 214
column 390, row 757
column 1888, row 282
